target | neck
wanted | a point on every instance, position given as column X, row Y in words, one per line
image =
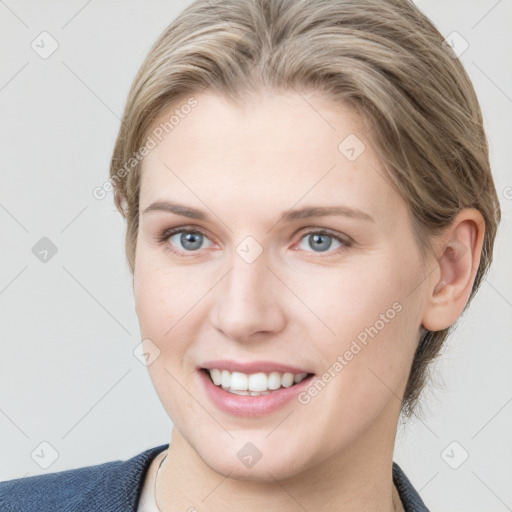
column 359, row 478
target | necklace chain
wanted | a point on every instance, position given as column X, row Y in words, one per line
column 156, row 480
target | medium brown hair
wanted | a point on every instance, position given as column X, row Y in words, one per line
column 385, row 59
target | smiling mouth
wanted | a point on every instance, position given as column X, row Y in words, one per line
column 255, row 384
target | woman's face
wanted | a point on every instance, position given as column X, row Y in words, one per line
column 338, row 295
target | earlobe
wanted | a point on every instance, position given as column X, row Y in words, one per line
column 457, row 261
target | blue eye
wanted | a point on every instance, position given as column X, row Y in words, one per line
column 321, row 241
column 187, row 240
column 190, row 240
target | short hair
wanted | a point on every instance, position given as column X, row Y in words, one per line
column 383, row 58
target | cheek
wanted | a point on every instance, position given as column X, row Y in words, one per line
column 167, row 306
column 152, row 305
column 366, row 365
column 349, row 299
column 367, row 325
column 163, row 294
column 171, row 304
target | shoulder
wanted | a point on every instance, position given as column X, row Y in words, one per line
column 113, row 486
column 409, row 496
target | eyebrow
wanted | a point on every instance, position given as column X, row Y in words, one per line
column 288, row 216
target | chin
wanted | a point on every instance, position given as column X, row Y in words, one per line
column 242, row 460
column 261, row 472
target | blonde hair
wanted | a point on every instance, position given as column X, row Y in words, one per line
column 385, row 59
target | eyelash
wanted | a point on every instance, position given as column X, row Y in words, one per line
column 164, row 237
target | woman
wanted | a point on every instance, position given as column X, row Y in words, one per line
column 309, row 209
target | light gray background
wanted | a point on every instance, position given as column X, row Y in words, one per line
column 68, row 374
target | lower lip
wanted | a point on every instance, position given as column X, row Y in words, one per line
column 252, row 406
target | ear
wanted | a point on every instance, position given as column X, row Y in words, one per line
column 458, row 251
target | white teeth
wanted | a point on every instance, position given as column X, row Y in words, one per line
column 252, row 393
column 225, row 378
column 216, row 376
column 257, row 382
column 239, row 381
column 299, row 377
column 287, row 380
column 254, row 384
column 237, row 392
column 274, row 380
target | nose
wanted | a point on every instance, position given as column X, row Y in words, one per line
column 248, row 301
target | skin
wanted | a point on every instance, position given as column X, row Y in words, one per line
column 245, row 166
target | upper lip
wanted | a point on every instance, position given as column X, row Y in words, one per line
column 251, row 367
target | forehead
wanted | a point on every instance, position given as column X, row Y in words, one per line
column 283, row 147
